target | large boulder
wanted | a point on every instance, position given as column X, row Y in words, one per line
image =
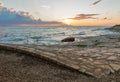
column 68, row 39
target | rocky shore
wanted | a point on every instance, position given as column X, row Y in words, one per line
column 110, row 40
column 19, row 67
column 91, row 59
column 115, row 28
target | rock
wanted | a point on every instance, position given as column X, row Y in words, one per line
column 68, row 39
column 112, row 58
column 82, row 33
column 116, row 67
column 115, row 28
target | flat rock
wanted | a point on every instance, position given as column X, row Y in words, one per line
column 115, row 66
column 97, row 62
column 112, row 58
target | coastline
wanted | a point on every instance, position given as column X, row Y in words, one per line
column 16, row 66
column 101, row 52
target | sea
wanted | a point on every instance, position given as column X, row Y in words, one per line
column 46, row 35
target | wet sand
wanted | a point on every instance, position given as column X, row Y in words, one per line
column 17, row 67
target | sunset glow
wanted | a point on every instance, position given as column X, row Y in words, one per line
column 76, row 13
column 67, row 21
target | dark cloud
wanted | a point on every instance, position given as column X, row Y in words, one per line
column 84, row 16
column 13, row 17
column 106, row 18
column 96, row 2
column 10, row 16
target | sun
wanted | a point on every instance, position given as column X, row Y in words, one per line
column 67, row 21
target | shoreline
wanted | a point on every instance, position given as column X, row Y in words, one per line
column 24, row 68
column 90, row 60
column 65, row 56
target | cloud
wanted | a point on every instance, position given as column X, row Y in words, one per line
column 106, row 18
column 96, row 2
column 1, row 4
column 12, row 9
column 84, row 16
column 12, row 17
column 46, row 6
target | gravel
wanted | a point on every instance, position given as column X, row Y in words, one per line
column 17, row 67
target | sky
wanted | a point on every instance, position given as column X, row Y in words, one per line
column 70, row 12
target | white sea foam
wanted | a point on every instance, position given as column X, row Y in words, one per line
column 46, row 35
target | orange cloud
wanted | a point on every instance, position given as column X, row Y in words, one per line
column 11, row 9
column 84, row 16
column 93, row 22
column 1, row 4
column 25, row 13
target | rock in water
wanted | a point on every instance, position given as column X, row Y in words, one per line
column 68, row 39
